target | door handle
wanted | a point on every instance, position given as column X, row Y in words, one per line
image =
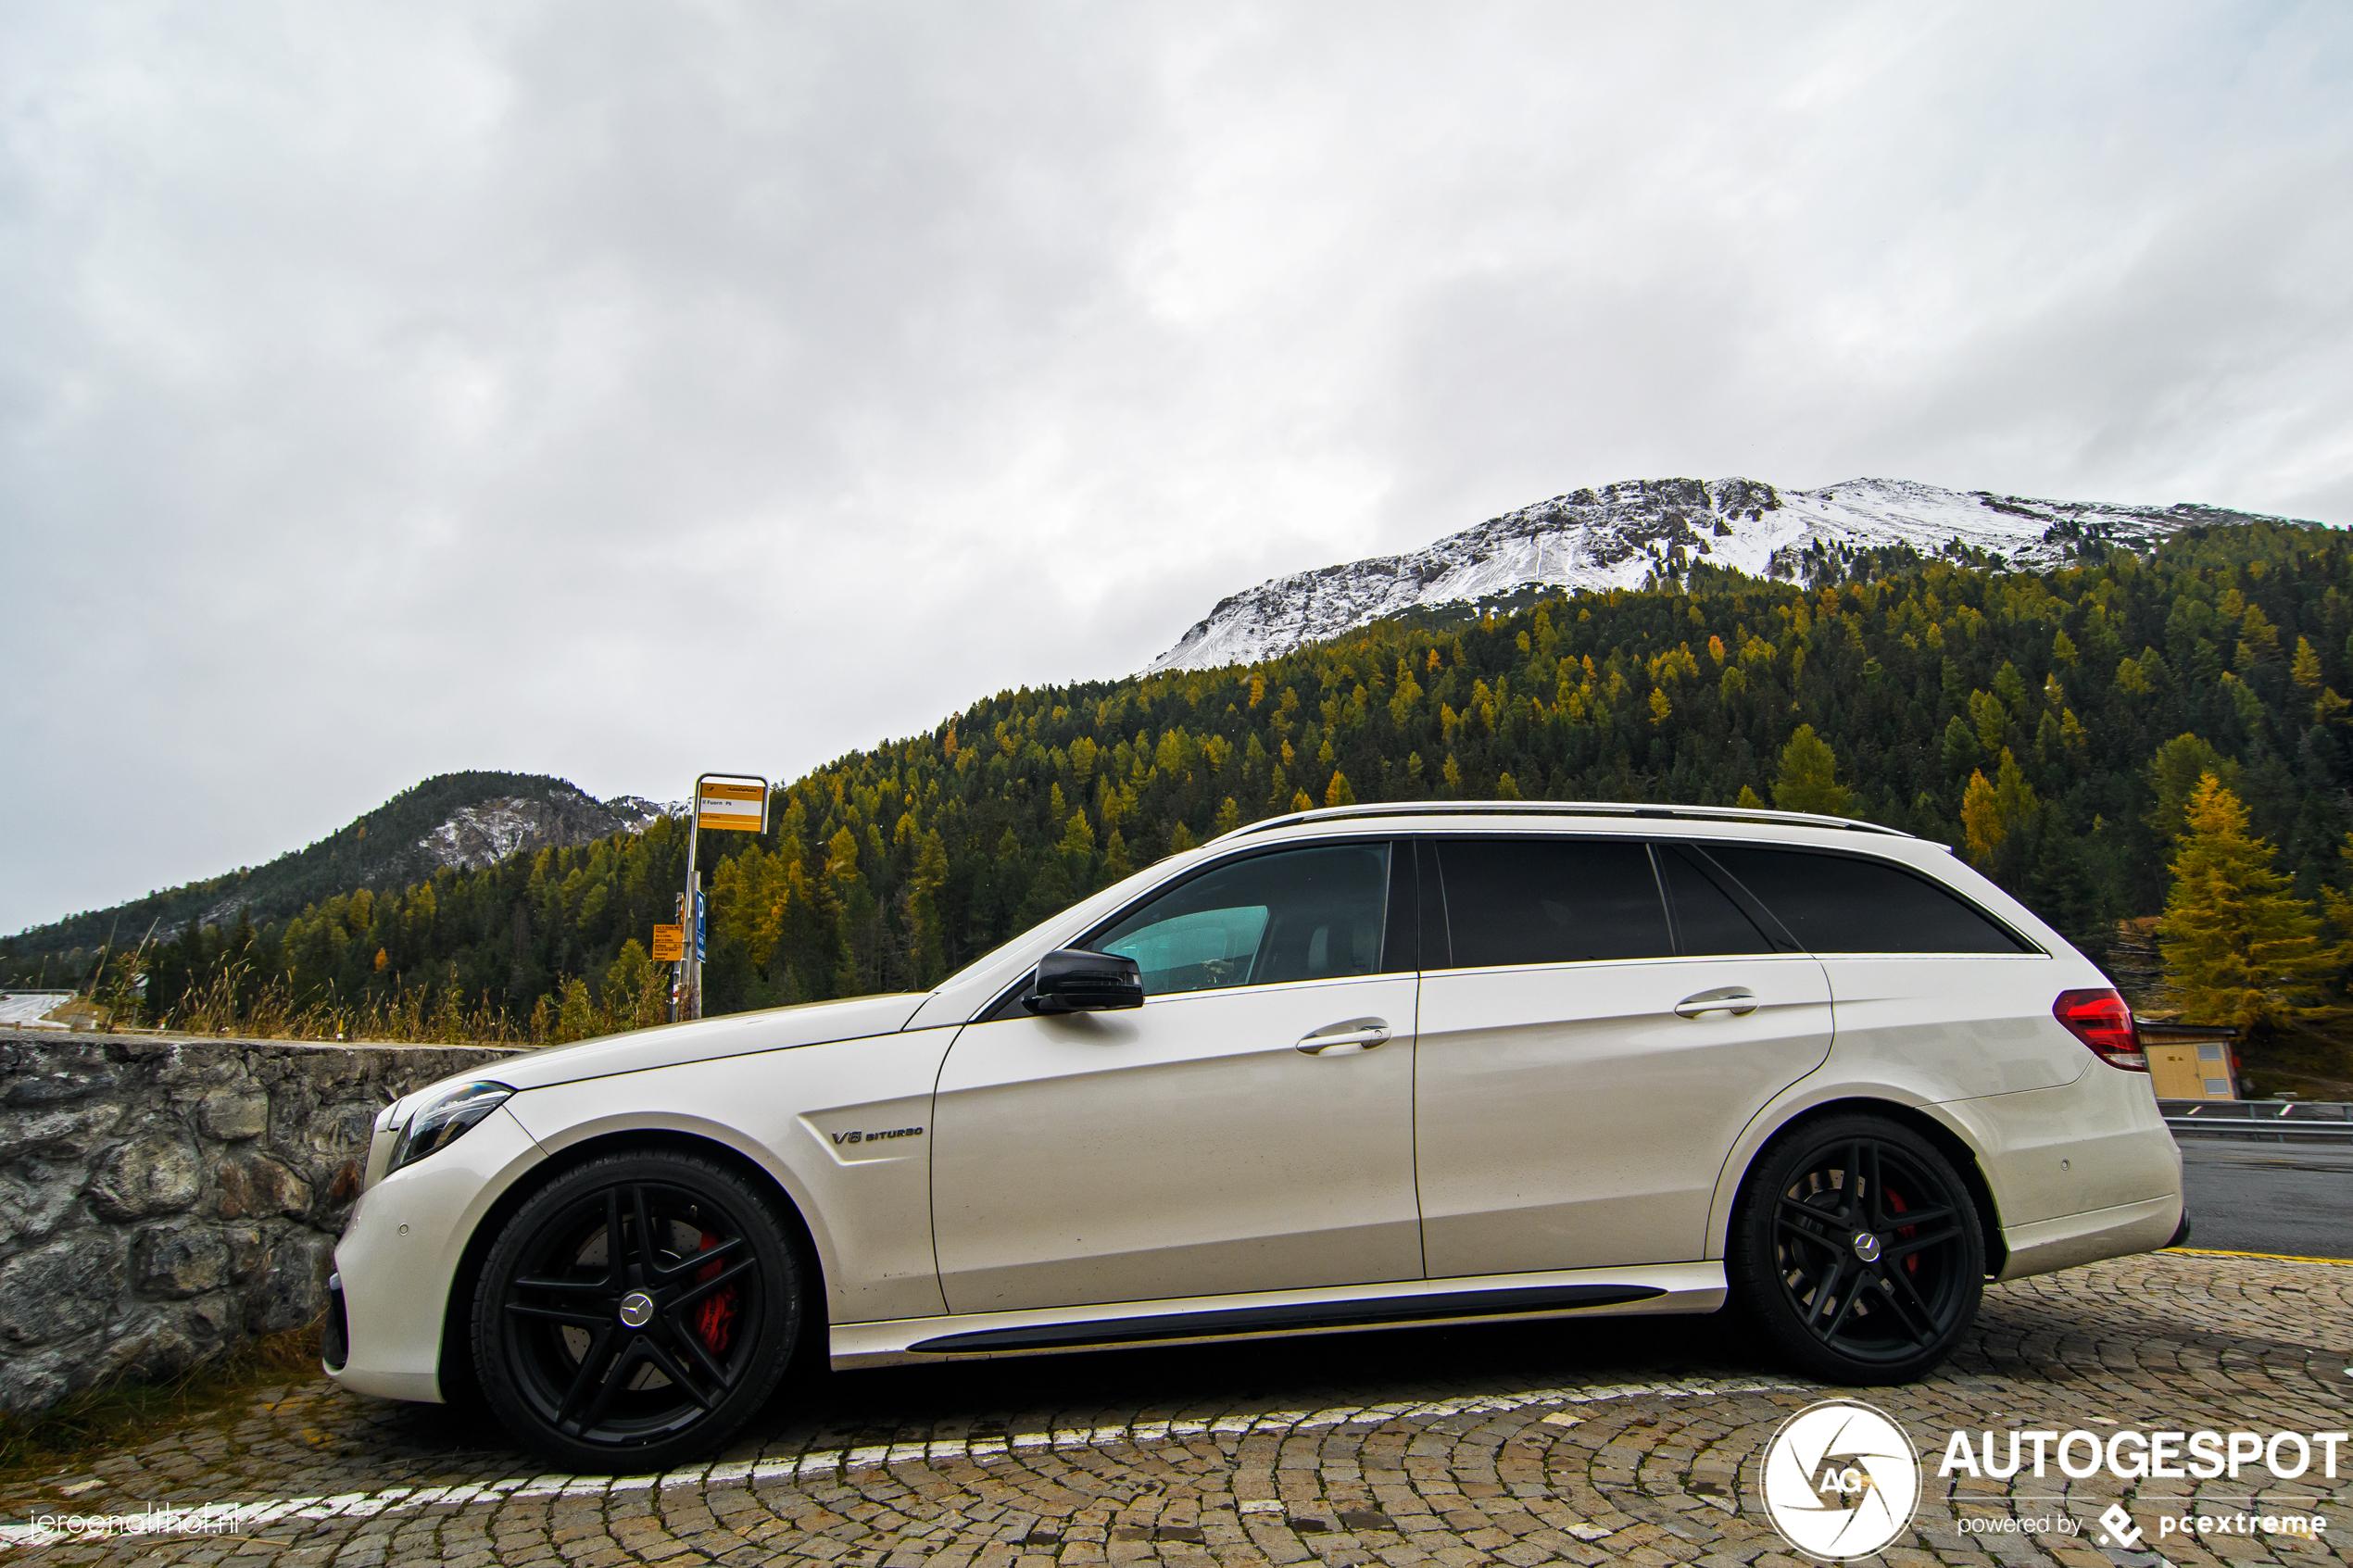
column 1366, row 1032
column 1729, row 998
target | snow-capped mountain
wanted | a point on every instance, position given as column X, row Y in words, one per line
column 1618, row 536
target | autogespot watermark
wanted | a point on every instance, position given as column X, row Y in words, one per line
column 2146, row 1454
column 2135, row 1454
column 1841, row 1481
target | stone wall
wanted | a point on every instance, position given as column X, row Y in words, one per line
column 162, row 1199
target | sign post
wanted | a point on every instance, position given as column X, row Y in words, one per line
column 726, row 803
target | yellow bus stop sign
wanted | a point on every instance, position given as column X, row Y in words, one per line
column 733, row 807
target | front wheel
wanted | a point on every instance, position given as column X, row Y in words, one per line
column 1856, row 1249
column 636, row 1311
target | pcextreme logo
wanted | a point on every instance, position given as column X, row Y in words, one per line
column 1841, row 1480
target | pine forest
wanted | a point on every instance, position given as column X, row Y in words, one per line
column 2151, row 752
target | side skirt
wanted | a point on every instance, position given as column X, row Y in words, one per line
column 1661, row 1287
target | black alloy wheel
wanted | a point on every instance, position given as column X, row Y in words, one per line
column 636, row 1311
column 1856, row 1248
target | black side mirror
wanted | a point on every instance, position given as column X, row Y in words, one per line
column 1072, row 981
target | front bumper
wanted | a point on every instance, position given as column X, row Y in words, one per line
column 401, row 1251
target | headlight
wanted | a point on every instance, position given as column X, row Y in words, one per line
column 443, row 1119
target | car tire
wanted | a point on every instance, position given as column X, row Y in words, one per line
column 1855, row 1249
column 602, row 1339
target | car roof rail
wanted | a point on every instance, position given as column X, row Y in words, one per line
column 1630, row 809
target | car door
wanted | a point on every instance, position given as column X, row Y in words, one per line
column 1604, row 1018
column 1249, row 1128
column 1929, row 988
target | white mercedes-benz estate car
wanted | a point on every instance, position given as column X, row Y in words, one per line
column 1342, row 1070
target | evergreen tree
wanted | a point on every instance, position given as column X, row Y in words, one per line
column 2016, row 807
column 2175, row 772
column 2239, row 947
column 2063, row 890
column 1808, row 779
column 2306, row 669
column 1981, row 821
column 1959, row 746
column 929, row 947
column 1049, row 891
column 1078, row 854
column 576, row 1021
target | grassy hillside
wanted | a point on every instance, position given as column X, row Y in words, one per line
column 2052, row 725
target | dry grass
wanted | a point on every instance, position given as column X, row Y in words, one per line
column 235, row 1002
column 87, row 1426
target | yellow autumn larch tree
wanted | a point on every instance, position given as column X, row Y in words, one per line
column 2240, row 948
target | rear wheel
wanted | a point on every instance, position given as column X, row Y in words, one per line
column 1856, row 1248
column 636, row 1311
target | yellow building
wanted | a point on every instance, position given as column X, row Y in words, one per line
column 2191, row 1060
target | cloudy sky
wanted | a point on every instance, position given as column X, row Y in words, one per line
column 620, row 390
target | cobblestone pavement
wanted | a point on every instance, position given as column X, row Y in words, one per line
column 1602, row 1441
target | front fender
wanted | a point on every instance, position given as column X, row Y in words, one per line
column 843, row 1129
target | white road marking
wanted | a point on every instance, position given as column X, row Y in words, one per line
column 835, row 1462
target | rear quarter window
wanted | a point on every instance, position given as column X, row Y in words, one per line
column 1842, row 904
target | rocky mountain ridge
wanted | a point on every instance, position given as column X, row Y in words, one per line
column 1623, row 536
column 487, row 832
column 462, row 822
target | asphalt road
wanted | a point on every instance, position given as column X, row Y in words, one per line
column 2269, row 1197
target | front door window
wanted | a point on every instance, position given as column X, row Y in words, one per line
column 1302, row 914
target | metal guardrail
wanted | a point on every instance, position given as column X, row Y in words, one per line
column 2261, row 1121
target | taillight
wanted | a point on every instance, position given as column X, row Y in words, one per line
column 2101, row 1021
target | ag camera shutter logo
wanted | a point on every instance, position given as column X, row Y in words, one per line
column 1841, row 1480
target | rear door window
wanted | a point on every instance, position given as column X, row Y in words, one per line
column 1534, row 900
column 1707, row 923
column 1844, row 904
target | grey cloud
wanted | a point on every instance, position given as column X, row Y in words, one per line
column 625, row 391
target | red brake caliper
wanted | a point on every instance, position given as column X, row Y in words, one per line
column 715, row 1318
column 1894, row 1201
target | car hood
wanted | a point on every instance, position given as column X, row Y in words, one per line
column 703, row 1040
